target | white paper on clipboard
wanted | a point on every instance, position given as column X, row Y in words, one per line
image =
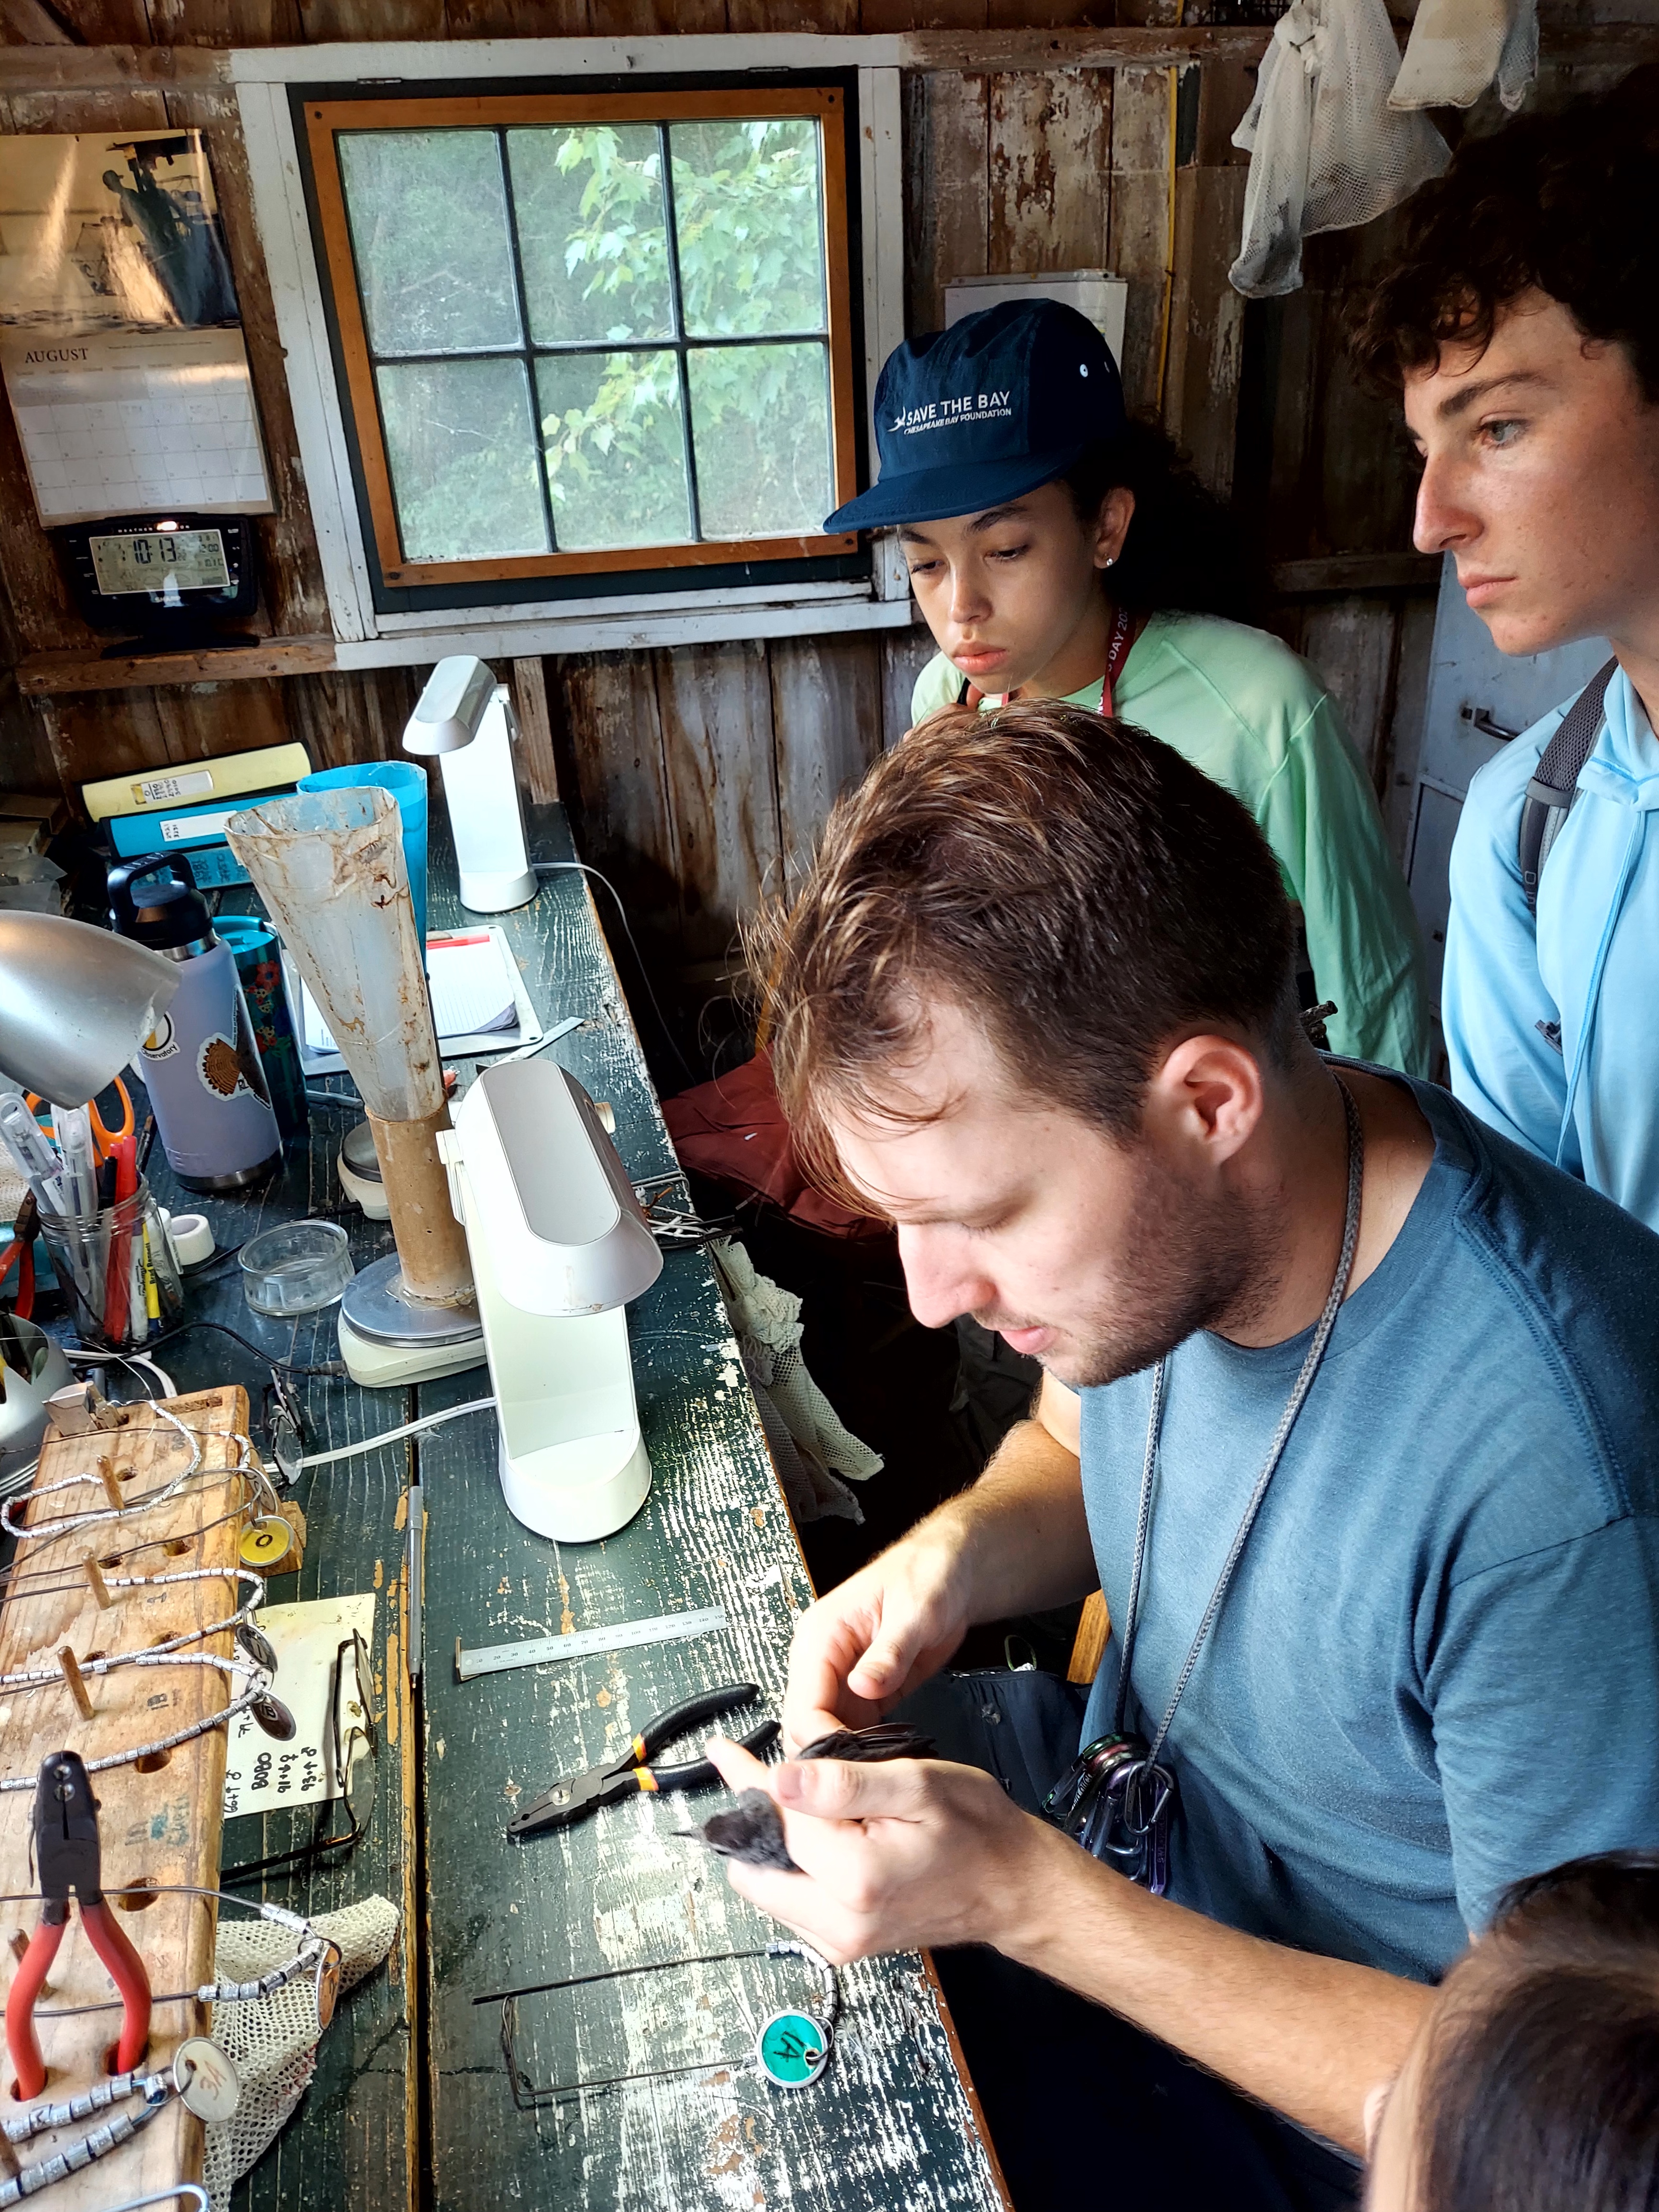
column 261, row 1775
column 309, row 1029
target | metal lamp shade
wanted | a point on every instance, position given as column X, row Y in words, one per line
column 75, row 1004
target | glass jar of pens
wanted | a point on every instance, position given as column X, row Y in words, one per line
column 109, row 1248
column 116, row 1270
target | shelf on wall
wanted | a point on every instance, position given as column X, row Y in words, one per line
column 43, row 673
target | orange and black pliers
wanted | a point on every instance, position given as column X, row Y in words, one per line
column 67, row 1857
column 20, row 1251
column 573, row 1800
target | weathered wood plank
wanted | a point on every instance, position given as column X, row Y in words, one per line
column 904, row 654
column 108, row 733
column 1049, row 178
column 1406, row 728
column 536, row 762
column 516, row 19
column 1139, row 245
column 1353, row 643
column 947, row 212
column 889, row 2125
column 937, row 16
column 1206, row 323
column 87, row 671
column 607, row 726
column 716, row 708
column 352, row 714
column 827, row 728
column 225, row 22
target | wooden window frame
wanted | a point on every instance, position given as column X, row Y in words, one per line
column 826, row 103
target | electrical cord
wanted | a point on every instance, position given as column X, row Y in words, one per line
column 331, row 1370
column 581, row 868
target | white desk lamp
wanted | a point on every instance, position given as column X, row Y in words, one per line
column 558, row 1244
column 467, row 716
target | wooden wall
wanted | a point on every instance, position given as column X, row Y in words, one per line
column 693, row 773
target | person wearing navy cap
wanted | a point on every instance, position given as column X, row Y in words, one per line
column 1057, row 550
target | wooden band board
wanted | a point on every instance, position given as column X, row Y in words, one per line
column 158, row 1827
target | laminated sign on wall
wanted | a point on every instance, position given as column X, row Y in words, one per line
column 120, row 334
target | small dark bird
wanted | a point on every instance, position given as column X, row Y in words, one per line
column 754, row 1832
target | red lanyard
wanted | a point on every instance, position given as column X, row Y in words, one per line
column 1123, row 636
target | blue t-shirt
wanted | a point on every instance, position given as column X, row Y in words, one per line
column 1437, row 1667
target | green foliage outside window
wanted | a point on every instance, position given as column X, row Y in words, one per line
column 430, row 220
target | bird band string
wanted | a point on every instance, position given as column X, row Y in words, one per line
column 35, row 1678
column 261, row 1491
column 276, row 1720
column 315, row 1956
column 200, row 2076
column 792, row 2047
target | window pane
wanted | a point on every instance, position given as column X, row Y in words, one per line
column 592, row 233
column 760, row 417
column 750, row 226
column 615, row 449
column 462, row 448
column 429, row 234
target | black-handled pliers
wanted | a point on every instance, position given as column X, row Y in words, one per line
column 574, row 1799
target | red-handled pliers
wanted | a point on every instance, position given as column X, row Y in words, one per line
column 67, row 1857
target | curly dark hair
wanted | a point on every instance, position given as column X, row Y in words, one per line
column 1184, row 553
column 1560, row 203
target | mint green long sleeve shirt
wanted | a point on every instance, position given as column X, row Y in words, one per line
column 1243, row 708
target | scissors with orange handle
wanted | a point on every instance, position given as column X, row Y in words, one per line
column 104, row 1141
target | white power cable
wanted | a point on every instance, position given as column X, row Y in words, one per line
column 391, row 1436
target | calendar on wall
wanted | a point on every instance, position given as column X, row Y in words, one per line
column 120, row 339
column 110, row 424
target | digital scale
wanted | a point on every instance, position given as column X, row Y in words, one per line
column 165, row 581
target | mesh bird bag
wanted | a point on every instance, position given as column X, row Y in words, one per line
column 1327, row 151
column 1457, row 47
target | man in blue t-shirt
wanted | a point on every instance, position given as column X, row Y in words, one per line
column 1367, row 1468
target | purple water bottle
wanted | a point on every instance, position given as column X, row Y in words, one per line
column 201, row 1067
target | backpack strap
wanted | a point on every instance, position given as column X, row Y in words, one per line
column 1552, row 792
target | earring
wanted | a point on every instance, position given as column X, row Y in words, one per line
column 1111, row 561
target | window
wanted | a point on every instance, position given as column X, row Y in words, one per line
column 595, row 336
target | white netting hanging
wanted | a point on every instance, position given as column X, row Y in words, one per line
column 1457, row 47
column 810, row 1447
column 1327, row 151
column 272, row 2041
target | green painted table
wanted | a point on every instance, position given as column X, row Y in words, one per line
column 413, row 2102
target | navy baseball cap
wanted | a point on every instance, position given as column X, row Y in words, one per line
column 1001, row 402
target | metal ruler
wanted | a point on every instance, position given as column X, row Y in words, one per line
column 665, row 1628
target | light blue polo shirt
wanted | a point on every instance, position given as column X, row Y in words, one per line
column 1438, row 1668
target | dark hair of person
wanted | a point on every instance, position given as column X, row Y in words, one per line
column 1560, row 203
column 1077, row 887
column 1539, row 2090
column 1184, row 553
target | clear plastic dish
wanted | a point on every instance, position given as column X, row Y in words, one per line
column 296, row 1268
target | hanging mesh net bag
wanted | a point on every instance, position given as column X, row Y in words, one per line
column 1327, row 151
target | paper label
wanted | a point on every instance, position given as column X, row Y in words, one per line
column 160, row 789
column 260, row 1774
column 175, row 826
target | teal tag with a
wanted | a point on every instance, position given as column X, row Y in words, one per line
column 793, row 2049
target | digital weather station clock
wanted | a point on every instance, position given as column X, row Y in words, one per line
column 168, row 582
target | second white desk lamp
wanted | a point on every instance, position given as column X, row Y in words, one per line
column 558, row 1244
column 467, row 716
